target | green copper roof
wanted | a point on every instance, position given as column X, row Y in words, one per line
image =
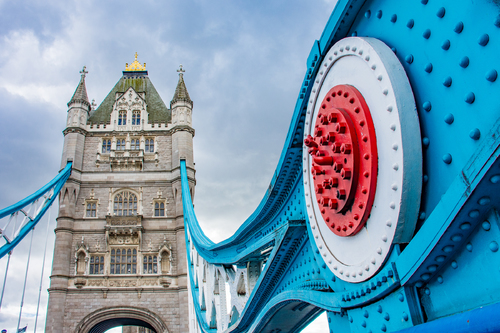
column 157, row 110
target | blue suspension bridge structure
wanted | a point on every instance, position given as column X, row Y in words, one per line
column 383, row 209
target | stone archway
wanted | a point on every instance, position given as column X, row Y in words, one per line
column 103, row 319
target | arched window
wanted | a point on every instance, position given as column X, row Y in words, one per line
column 150, row 146
column 96, row 264
column 135, row 144
column 106, row 146
column 159, row 208
column 150, row 264
column 122, row 118
column 125, row 204
column 123, row 261
column 136, row 118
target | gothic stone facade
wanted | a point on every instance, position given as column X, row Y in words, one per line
column 120, row 252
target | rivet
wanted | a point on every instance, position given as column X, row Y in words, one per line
column 475, row 134
column 454, row 264
column 427, row 106
column 373, row 261
column 426, row 34
column 386, row 316
column 405, row 316
column 469, row 247
column 385, row 92
column 440, row 13
column 495, row 179
column 491, row 75
column 395, row 146
column 409, row 58
column 449, row 118
column 474, row 213
column 465, row 226
column 459, row 27
column 366, row 314
column 428, row 68
column 440, row 258
column 363, row 323
column 483, row 40
column 440, row 279
column 368, row 14
column 384, row 238
column 389, row 108
column 456, row 237
column 367, row 58
column 393, row 127
column 446, row 45
column 419, row 284
column 379, row 14
column 447, row 82
column 383, row 328
column 432, row 268
column 425, row 141
column 427, row 291
column 394, row 187
column 379, row 77
column 484, row 201
column 493, row 246
column 350, row 319
column 425, row 178
column 448, row 248
column 367, row 268
column 394, row 18
column 388, row 223
column 392, row 205
column 395, row 166
column 379, row 250
column 447, row 158
column 410, row 23
column 464, row 62
column 497, row 21
column 394, row 50
column 379, row 309
column 425, row 276
column 486, row 225
column 422, row 216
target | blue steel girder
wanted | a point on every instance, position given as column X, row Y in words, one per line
column 448, row 52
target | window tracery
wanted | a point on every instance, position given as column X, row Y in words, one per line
column 122, row 118
column 125, row 203
column 123, row 261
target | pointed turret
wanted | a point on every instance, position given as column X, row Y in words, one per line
column 181, row 93
column 80, row 95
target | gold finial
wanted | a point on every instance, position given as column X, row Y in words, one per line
column 135, row 66
column 84, row 72
column 180, row 70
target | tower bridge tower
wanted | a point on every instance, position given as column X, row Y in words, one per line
column 120, row 253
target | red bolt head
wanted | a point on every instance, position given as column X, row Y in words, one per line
column 326, row 183
column 333, row 204
column 324, row 120
column 324, row 141
column 341, row 194
column 340, row 128
column 345, row 148
column 313, row 151
column 319, row 188
column 333, row 182
column 336, row 147
column 318, row 131
column 333, row 117
column 309, row 142
column 324, row 202
column 316, row 170
column 346, row 173
column 337, row 167
column 330, row 136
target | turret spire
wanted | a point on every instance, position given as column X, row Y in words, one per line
column 80, row 94
column 181, row 93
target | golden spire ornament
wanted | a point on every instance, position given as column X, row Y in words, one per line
column 135, row 66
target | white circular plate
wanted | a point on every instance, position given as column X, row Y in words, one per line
column 372, row 68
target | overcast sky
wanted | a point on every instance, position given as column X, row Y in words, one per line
column 244, row 62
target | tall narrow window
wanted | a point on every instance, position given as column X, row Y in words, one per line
column 106, row 146
column 135, row 144
column 123, row 261
column 150, row 264
column 150, row 145
column 159, row 208
column 120, row 144
column 122, row 118
column 125, row 203
column 136, row 118
column 91, row 209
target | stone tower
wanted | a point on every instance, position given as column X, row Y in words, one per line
column 120, row 252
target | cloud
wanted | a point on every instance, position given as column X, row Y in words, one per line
column 244, row 67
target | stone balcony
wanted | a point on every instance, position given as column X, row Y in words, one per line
column 126, row 160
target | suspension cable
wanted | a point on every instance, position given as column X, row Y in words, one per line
column 25, row 278
column 43, row 267
column 5, row 278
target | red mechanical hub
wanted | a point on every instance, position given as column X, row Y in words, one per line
column 344, row 160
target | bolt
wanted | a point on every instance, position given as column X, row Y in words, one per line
column 319, row 188
column 337, row 167
column 330, row 137
column 341, row 194
column 345, row 148
column 324, row 120
column 318, row 131
column 340, row 128
column 334, row 182
column 324, row 201
column 333, row 204
column 333, row 117
column 324, row 141
column 309, row 142
column 317, row 171
column 345, row 173
column 336, row 147
column 326, row 183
